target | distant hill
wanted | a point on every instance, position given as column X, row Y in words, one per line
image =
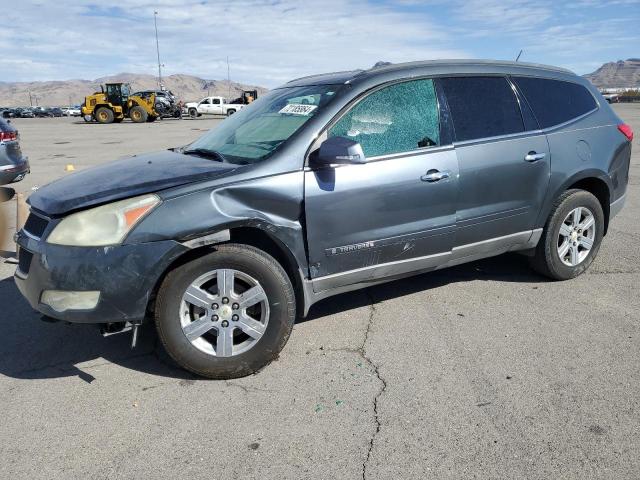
column 620, row 74
column 59, row 93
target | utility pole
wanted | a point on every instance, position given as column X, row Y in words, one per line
column 155, row 23
column 30, row 100
column 228, row 79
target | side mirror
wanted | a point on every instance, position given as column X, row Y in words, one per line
column 339, row 150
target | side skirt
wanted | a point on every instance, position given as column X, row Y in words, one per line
column 329, row 285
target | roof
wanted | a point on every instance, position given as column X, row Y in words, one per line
column 435, row 66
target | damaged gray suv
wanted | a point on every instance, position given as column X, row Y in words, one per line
column 328, row 184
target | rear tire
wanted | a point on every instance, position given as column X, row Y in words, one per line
column 230, row 112
column 104, row 115
column 138, row 114
column 571, row 237
column 230, row 340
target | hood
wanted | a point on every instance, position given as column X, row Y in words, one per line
column 124, row 178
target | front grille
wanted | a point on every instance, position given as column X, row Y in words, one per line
column 36, row 225
column 24, row 260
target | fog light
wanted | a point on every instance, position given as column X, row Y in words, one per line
column 62, row 301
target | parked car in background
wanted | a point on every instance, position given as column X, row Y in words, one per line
column 13, row 165
column 72, row 111
column 25, row 113
column 10, row 113
column 41, row 112
column 213, row 106
column 166, row 103
column 328, row 184
column 56, row 112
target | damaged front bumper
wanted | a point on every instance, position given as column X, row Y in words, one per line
column 91, row 284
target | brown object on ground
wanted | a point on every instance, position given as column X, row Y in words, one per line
column 22, row 211
column 3, row 228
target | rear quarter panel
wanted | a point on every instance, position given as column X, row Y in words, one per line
column 588, row 147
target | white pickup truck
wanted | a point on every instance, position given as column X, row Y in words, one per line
column 212, row 106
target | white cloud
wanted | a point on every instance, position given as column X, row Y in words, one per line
column 271, row 41
column 268, row 42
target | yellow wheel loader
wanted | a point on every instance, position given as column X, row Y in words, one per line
column 114, row 102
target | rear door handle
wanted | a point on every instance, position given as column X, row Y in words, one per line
column 534, row 157
column 435, row 176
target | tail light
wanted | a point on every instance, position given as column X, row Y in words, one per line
column 8, row 136
column 626, row 130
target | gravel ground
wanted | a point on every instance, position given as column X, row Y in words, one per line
column 485, row 370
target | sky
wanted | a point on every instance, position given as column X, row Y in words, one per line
column 270, row 42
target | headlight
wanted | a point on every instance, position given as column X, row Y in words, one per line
column 105, row 225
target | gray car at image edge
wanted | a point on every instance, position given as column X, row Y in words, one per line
column 327, row 184
column 14, row 166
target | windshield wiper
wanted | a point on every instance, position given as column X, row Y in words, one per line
column 206, row 153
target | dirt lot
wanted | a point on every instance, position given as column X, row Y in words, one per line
column 481, row 371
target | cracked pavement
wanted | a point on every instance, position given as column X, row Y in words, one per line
column 485, row 370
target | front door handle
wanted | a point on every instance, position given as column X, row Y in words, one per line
column 534, row 157
column 435, row 176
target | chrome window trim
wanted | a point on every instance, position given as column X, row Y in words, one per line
column 569, row 122
column 525, row 133
column 499, row 138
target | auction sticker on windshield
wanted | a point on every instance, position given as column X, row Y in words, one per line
column 298, row 109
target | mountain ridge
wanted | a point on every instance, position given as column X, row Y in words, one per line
column 619, row 74
column 72, row 92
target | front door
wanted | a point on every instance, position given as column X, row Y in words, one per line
column 205, row 106
column 396, row 212
column 503, row 158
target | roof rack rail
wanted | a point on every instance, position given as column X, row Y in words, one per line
column 324, row 74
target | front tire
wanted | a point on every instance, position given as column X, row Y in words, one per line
column 571, row 237
column 226, row 314
column 104, row 115
column 193, row 113
column 138, row 114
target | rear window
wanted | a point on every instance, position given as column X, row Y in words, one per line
column 554, row 101
column 482, row 107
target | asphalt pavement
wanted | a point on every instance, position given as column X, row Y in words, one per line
column 485, row 370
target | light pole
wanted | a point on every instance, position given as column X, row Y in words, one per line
column 228, row 79
column 155, row 23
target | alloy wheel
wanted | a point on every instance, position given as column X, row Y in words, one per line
column 224, row 313
column 576, row 236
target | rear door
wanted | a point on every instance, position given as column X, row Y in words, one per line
column 503, row 159
column 396, row 212
column 216, row 106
